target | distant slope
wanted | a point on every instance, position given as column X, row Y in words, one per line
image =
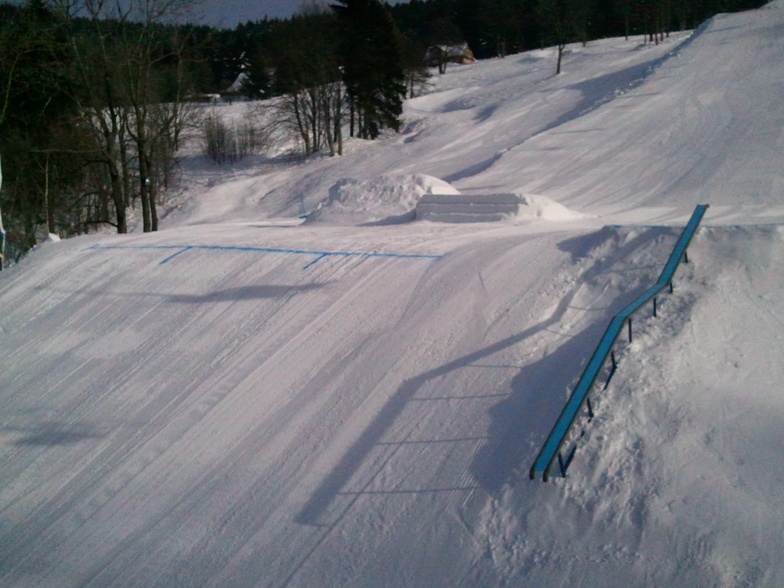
column 696, row 119
column 705, row 120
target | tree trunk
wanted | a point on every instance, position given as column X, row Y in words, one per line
column 117, row 193
column 50, row 227
column 122, row 219
column 561, row 47
column 351, row 116
column 144, row 189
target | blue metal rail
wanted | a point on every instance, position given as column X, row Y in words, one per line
column 550, row 449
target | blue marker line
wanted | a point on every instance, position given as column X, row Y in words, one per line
column 173, row 255
column 319, row 254
column 319, row 258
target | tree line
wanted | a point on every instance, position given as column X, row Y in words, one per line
column 93, row 113
column 499, row 27
column 96, row 96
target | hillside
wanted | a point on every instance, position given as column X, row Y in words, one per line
column 246, row 399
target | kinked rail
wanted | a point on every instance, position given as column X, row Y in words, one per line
column 552, row 446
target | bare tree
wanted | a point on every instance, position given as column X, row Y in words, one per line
column 228, row 142
column 131, row 82
column 414, row 66
column 315, row 115
column 103, row 111
column 564, row 21
column 154, row 115
column 308, row 74
column 444, row 36
column 554, row 17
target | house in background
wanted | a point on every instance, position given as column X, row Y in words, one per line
column 440, row 55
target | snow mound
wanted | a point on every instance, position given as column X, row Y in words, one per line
column 459, row 208
column 534, row 205
column 386, row 199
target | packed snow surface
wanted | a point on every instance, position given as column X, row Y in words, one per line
column 244, row 399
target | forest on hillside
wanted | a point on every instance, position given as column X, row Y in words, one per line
column 95, row 98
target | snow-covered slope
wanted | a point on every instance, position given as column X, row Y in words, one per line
column 244, row 400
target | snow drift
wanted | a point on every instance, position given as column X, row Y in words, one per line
column 383, row 199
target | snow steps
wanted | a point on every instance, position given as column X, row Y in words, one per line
column 579, row 397
column 453, row 208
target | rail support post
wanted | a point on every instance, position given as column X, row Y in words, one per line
column 564, row 464
column 612, row 369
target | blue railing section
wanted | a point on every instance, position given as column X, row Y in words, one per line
column 551, row 448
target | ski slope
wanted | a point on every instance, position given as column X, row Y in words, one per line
column 246, row 399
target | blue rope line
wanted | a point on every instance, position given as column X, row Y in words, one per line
column 319, row 254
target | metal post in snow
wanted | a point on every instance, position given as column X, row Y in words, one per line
column 302, row 212
column 612, row 370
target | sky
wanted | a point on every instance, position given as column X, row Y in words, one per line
column 229, row 13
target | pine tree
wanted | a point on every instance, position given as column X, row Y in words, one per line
column 36, row 125
column 372, row 66
column 307, row 74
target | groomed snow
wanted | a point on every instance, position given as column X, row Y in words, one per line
column 247, row 399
